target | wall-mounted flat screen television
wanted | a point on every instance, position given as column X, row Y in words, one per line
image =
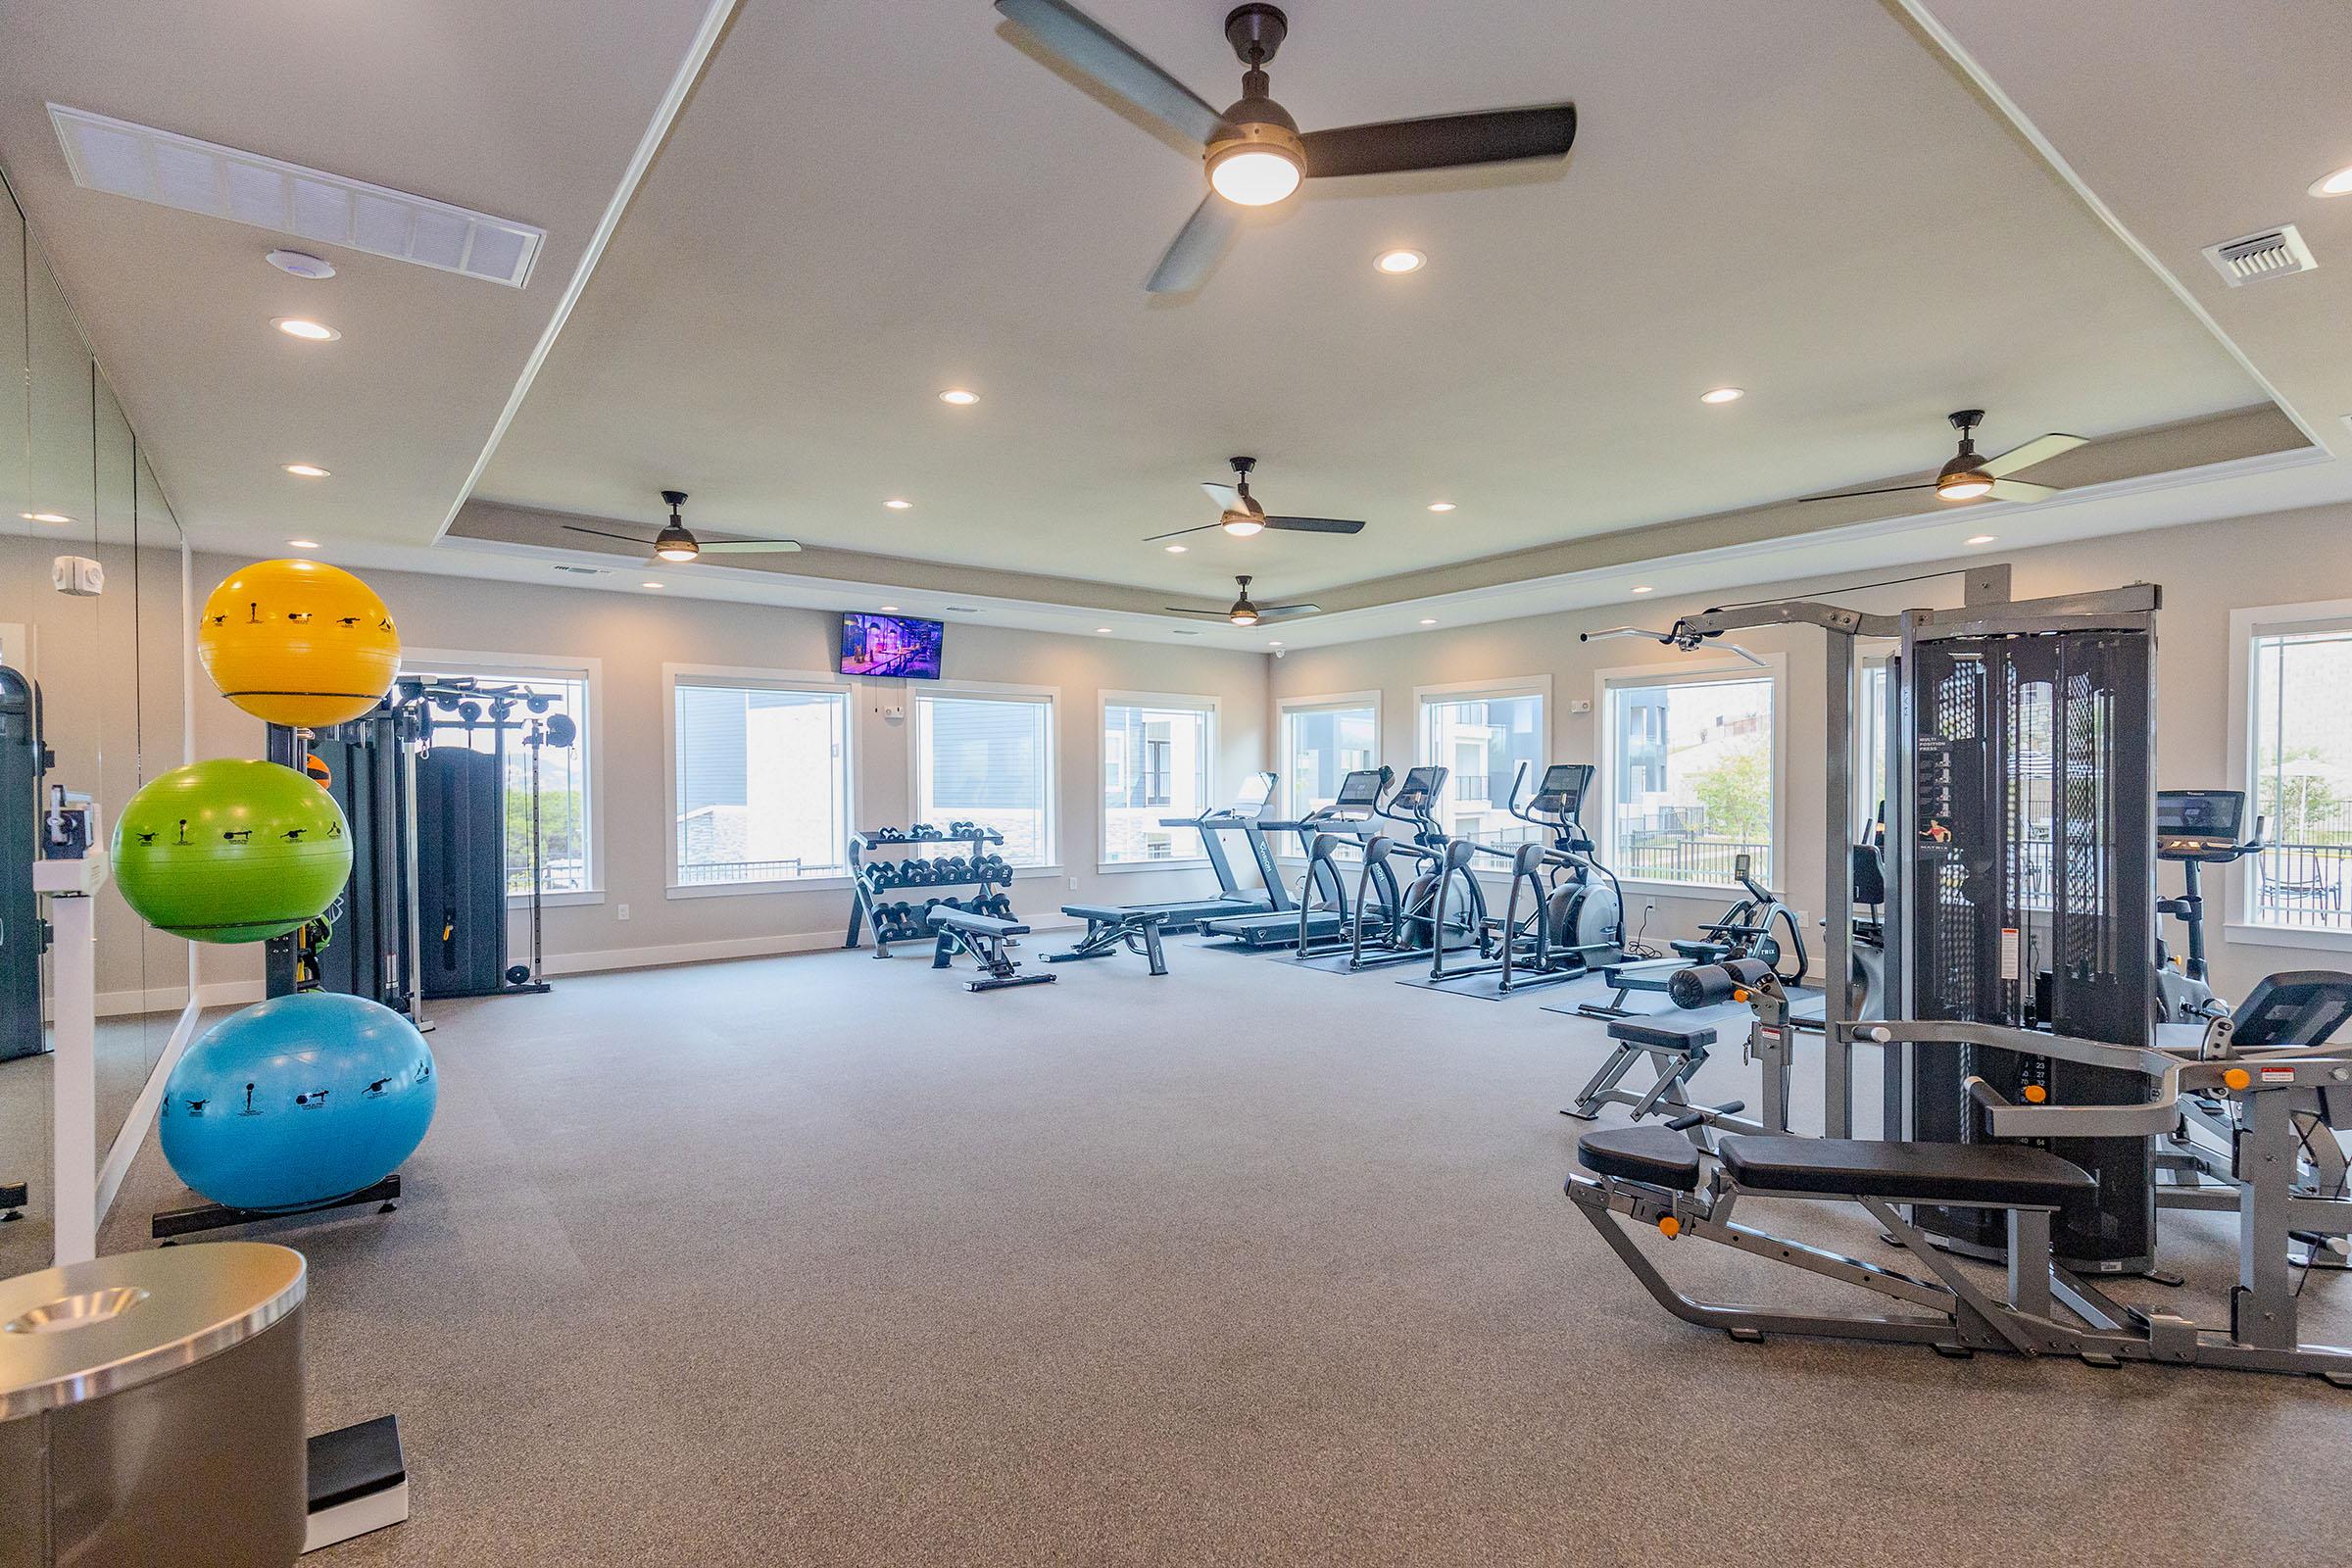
column 890, row 645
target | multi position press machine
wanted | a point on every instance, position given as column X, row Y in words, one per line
column 2035, row 1112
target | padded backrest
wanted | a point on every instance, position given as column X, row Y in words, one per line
column 1869, row 875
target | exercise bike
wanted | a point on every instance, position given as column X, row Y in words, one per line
column 2194, row 828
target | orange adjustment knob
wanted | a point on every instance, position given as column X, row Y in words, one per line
column 1740, row 993
column 2035, row 1094
column 2237, row 1077
column 1670, row 1226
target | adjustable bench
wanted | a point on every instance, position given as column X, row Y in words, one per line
column 984, row 936
column 1113, row 926
column 1675, row 1047
column 1652, row 1175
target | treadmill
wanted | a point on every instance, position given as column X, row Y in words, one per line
column 1353, row 811
column 1243, row 816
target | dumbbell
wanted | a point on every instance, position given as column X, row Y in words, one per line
column 958, row 868
column 1001, row 906
column 922, row 830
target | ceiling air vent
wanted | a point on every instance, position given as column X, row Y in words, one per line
column 583, row 571
column 2272, row 252
column 963, row 610
column 198, row 177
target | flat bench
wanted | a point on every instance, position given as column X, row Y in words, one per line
column 1648, row 974
column 1964, row 1175
column 1110, row 927
column 984, row 936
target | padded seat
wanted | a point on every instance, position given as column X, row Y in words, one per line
column 1703, row 952
column 1120, row 915
column 1994, row 1174
column 1658, row 1156
column 1663, row 1033
column 978, row 924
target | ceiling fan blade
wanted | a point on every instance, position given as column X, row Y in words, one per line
column 2019, row 490
column 1442, row 141
column 1267, row 612
column 748, row 547
column 1224, row 494
column 2040, row 449
column 1886, row 490
column 1210, row 614
column 624, row 538
column 1316, row 524
column 1193, row 255
column 1178, row 534
column 1086, row 45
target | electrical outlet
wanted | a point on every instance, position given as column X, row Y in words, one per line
column 620, row 911
column 1073, row 884
column 1581, row 705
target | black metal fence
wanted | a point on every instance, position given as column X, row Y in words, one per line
column 714, row 873
column 2304, row 885
column 1687, row 858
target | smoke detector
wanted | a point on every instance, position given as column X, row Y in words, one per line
column 2272, row 252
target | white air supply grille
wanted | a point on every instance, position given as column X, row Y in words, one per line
column 2272, row 252
column 583, row 571
column 198, row 177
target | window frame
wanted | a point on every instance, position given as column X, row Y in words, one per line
column 1212, row 708
column 1046, row 697
column 742, row 677
column 1321, row 702
column 1701, row 671
column 2237, row 898
column 528, row 666
column 1471, row 691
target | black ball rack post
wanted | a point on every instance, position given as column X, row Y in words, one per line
column 865, row 893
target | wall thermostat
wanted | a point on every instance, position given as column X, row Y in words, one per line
column 78, row 575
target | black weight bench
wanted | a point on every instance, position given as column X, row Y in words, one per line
column 1652, row 1176
column 984, row 936
column 1675, row 1049
column 1110, row 927
column 1630, row 975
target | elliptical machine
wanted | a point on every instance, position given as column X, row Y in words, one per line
column 1564, row 915
column 2194, row 828
column 1420, row 922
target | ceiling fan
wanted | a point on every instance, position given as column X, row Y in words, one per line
column 1254, row 149
column 1246, row 614
column 1970, row 478
column 1240, row 516
column 677, row 543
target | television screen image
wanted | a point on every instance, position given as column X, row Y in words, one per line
column 890, row 645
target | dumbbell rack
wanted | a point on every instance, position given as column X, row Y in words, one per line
column 863, row 895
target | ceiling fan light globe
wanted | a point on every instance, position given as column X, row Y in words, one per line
column 1243, row 617
column 1962, row 485
column 675, row 544
column 677, row 552
column 1241, row 524
column 1261, row 162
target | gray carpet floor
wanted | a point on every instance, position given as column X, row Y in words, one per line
column 821, row 1259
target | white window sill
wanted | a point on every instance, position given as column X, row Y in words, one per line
column 2289, row 936
column 732, row 890
column 1030, row 873
column 557, row 901
column 1688, row 890
column 1119, row 867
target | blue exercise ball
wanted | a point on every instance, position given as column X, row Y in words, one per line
column 298, row 1099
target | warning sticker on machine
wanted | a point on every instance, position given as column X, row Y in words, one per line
column 2011, row 967
column 2278, row 1075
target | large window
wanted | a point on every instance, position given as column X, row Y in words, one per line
column 2299, row 768
column 1482, row 737
column 566, row 840
column 1691, row 769
column 988, row 757
column 1324, row 739
column 1157, row 761
column 760, row 778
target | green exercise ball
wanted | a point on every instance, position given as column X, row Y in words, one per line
column 231, row 850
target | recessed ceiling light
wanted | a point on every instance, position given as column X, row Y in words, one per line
column 308, row 330
column 960, row 397
column 1101, row 631
column 2339, row 183
column 896, row 505
column 308, row 470
column 1274, row 643
column 1644, row 588
column 1722, row 394
column 1983, row 539
column 1177, row 550
column 1440, row 506
column 302, row 544
column 890, row 609
column 45, row 516
column 1396, row 263
column 302, row 264
column 1428, row 620
column 649, row 585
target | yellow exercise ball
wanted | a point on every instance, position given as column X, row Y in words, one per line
column 298, row 643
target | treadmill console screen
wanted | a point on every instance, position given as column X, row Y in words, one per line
column 1420, row 786
column 2191, row 820
column 1360, row 788
column 1255, row 795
